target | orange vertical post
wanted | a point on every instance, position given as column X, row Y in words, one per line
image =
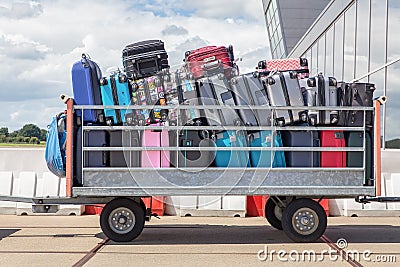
column 69, row 148
column 377, row 144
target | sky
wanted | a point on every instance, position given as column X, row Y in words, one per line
column 41, row 39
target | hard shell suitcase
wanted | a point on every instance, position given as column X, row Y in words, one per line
column 192, row 138
column 124, row 139
column 149, row 91
column 93, row 138
column 356, row 95
column 299, row 65
column 209, row 59
column 172, row 96
column 145, row 58
column 331, row 159
column 231, row 158
column 115, row 92
column 155, row 158
column 356, row 158
column 248, row 88
column 283, row 90
column 207, row 96
column 301, row 139
column 85, row 84
column 321, row 91
column 266, row 158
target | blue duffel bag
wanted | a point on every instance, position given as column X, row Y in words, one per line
column 55, row 145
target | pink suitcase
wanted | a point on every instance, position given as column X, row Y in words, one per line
column 157, row 158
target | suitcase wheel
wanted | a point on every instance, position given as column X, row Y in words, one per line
column 313, row 121
column 103, row 81
column 109, row 121
column 303, row 116
column 303, row 62
column 234, row 81
column 293, row 75
column 122, row 78
column 332, row 81
column 135, row 86
column 256, row 74
column 262, row 64
column 270, row 81
column 311, row 82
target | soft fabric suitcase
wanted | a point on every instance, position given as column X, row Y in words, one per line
column 231, row 158
column 85, row 84
column 356, row 159
column 331, row 159
column 266, row 158
column 115, row 92
column 283, row 90
column 157, row 158
column 145, row 58
column 209, row 59
column 124, row 139
column 94, row 138
column 356, row 95
column 301, row 139
column 192, row 138
column 299, row 65
column 321, row 91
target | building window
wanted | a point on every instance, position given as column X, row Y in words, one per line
column 329, row 51
column 393, row 30
column 349, row 43
column 338, row 67
column 321, row 54
column 378, row 38
column 314, row 59
column 392, row 130
column 362, row 43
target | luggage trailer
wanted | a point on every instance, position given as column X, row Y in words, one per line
column 291, row 207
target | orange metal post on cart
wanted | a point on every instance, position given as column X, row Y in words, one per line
column 69, row 170
column 377, row 142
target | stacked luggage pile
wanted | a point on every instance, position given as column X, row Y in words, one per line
column 212, row 106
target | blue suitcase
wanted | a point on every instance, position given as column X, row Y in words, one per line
column 85, row 85
column 266, row 158
column 114, row 92
column 231, row 158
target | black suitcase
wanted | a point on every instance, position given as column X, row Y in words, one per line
column 207, row 96
column 192, row 138
column 355, row 95
column 301, row 139
column 94, row 138
column 145, row 58
column 356, row 158
column 124, row 139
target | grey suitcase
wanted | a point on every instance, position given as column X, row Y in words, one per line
column 207, row 96
column 283, row 90
column 249, row 90
column 321, row 91
column 124, row 139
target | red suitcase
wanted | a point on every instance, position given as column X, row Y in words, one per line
column 332, row 159
column 300, row 65
column 209, row 59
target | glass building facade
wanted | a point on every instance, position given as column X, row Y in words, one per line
column 276, row 40
column 358, row 40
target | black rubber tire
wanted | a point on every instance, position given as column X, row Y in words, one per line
column 303, row 205
column 271, row 216
column 127, row 204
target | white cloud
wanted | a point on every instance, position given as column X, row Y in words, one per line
column 20, row 9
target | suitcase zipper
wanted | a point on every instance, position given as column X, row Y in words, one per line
column 115, row 98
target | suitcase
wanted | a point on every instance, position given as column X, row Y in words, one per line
column 144, row 59
column 356, row 95
column 248, row 89
column 157, row 158
column 299, row 65
column 331, row 159
column 149, row 91
column 321, row 91
column 192, row 138
column 355, row 159
column 301, row 139
column 90, row 158
column 266, row 158
column 207, row 96
column 172, row 97
column 283, row 89
column 85, row 84
column 231, row 158
column 209, row 59
column 115, row 92
column 187, row 95
column 124, row 139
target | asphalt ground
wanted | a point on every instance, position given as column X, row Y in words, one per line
column 196, row 241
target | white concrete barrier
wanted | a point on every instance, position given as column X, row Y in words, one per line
column 26, row 188
column 6, row 189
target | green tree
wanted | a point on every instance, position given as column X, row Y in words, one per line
column 4, row 131
column 3, row 138
column 27, row 139
column 13, row 134
column 34, row 140
column 30, row 130
column 43, row 134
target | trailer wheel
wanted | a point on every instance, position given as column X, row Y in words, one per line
column 122, row 220
column 273, row 214
column 304, row 220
